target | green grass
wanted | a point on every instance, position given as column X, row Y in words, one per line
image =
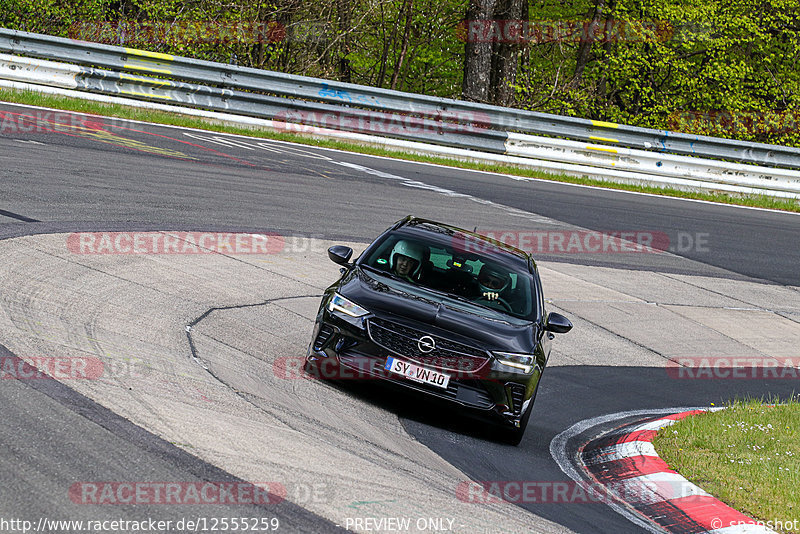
column 747, row 456
column 159, row 117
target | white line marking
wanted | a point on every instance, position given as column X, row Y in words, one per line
column 621, row 451
column 657, row 487
column 655, row 425
column 539, row 180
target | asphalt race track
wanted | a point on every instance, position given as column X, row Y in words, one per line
column 727, row 286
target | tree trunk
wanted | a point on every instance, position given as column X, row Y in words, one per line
column 602, row 93
column 285, row 19
column 587, row 41
column 344, row 8
column 477, row 54
column 386, row 46
column 409, row 17
column 505, row 54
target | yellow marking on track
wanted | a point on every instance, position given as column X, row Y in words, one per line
column 114, row 139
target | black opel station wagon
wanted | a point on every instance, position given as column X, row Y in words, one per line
column 442, row 311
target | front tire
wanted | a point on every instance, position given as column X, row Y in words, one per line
column 513, row 436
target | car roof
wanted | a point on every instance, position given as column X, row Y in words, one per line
column 418, row 225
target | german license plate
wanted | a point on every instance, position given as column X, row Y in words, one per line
column 417, row 373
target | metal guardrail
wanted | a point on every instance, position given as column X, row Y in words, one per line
column 454, row 129
column 307, row 112
column 244, row 103
column 544, row 153
column 310, row 94
column 628, row 160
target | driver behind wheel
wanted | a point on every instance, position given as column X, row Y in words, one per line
column 406, row 260
column 492, row 282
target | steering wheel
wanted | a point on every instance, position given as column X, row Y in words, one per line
column 498, row 300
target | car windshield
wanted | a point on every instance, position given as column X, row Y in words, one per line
column 481, row 282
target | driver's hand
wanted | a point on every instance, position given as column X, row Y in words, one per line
column 490, row 295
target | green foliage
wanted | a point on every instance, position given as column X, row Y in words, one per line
column 707, row 67
column 712, row 67
column 433, row 61
column 53, row 17
column 285, row 35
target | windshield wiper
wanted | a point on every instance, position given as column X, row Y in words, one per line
column 453, row 296
column 441, row 292
column 468, row 300
column 383, row 273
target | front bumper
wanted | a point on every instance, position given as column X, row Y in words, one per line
column 342, row 348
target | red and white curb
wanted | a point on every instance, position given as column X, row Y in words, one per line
column 626, row 464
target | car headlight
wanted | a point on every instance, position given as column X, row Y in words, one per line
column 523, row 362
column 347, row 307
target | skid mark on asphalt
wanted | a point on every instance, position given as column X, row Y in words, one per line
column 17, row 216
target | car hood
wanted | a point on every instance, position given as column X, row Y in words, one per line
column 390, row 298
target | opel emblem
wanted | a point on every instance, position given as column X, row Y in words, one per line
column 426, row 344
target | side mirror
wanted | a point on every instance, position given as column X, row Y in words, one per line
column 557, row 323
column 340, row 254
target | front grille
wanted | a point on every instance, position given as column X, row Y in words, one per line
column 448, row 355
column 517, row 396
column 467, row 392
